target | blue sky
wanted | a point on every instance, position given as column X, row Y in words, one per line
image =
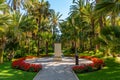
column 61, row 6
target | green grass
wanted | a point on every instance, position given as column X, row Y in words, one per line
column 7, row 73
column 110, row 72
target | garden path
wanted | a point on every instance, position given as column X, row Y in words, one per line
column 57, row 70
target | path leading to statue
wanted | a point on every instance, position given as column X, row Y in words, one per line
column 54, row 70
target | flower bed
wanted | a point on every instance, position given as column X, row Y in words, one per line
column 96, row 65
column 21, row 64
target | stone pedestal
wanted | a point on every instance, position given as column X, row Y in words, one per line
column 57, row 52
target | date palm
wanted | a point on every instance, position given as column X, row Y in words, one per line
column 15, row 4
column 4, row 21
column 83, row 15
column 110, row 8
column 55, row 20
column 110, row 40
column 41, row 12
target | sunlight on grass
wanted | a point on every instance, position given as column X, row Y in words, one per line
column 5, row 74
column 4, row 71
column 117, row 59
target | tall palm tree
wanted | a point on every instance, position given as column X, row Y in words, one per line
column 55, row 19
column 73, row 34
column 46, row 36
column 3, row 29
column 109, row 40
column 77, row 12
column 15, row 4
column 21, row 24
column 4, row 21
column 110, row 8
column 41, row 12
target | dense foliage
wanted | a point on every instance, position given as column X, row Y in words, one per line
column 92, row 25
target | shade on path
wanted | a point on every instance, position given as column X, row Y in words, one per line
column 57, row 70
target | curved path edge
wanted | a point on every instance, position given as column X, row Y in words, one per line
column 57, row 70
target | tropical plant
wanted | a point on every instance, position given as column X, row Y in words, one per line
column 15, row 4
column 4, row 21
column 110, row 8
column 41, row 12
column 55, row 21
column 109, row 40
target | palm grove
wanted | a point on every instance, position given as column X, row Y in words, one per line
column 90, row 26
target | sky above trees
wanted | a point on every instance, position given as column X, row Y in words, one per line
column 61, row 6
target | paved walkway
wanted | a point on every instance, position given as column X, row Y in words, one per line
column 54, row 70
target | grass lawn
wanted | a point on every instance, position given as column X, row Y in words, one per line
column 110, row 72
column 7, row 73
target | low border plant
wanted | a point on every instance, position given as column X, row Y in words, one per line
column 96, row 65
column 22, row 65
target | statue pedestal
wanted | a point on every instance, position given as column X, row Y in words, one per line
column 57, row 52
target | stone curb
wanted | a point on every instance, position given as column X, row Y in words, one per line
column 75, row 75
column 36, row 75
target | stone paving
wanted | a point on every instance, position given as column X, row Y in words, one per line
column 56, row 70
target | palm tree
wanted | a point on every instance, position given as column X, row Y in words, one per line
column 15, row 4
column 73, row 33
column 22, row 27
column 110, row 40
column 41, row 12
column 4, row 21
column 46, row 36
column 110, row 8
column 3, row 30
column 78, row 16
column 55, row 19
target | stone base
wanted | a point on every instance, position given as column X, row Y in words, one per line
column 57, row 58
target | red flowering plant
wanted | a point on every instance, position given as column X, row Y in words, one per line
column 21, row 64
column 96, row 65
column 78, row 69
column 83, row 68
column 86, row 57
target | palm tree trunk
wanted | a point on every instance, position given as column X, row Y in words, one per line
column 101, row 22
column 76, row 55
column 73, row 47
column 97, row 1
column 90, row 44
column 1, row 56
column 39, row 24
column 2, row 45
column 14, row 5
column 38, row 47
column 92, row 33
column 108, row 52
column 113, row 19
column 46, row 50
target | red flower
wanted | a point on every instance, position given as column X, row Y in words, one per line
column 86, row 57
column 97, row 64
column 21, row 64
column 78, row 67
